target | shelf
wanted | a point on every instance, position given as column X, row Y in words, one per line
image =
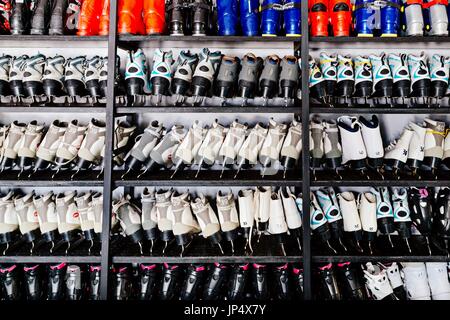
column 380, row 183
column 362, row 259
column 51, row 38
column 205, row 178
column 43, row 179
column 337, row 110
column 425, row 39
column 128, row 110
column 50, row 259
column 138, row 38
column 56, row 109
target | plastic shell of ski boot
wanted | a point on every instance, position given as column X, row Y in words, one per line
column 270, row 17
column 413, row 18
column 390, row 18
column 249, row 17
column 318, row 15
column 104, row 19
column 292, row 18
column 154, row 16
column 227, row 17
column 88, row 22
column 341, row 17
column 364, row 17
column 130, row 17
column 200, row 10
column 437, row 24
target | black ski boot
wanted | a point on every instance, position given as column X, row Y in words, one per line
column 33, row 282
column 200, row 17
column 40, row 18
column 259, row 282
column 171, row 282
column 215, row 283
column 237, row 282
column 56, row 24
column 193, row 283
column 148, row 281
column 55, row 282
column 177, row 17
column 9, row 283
column 18, row 19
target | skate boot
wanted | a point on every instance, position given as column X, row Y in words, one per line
column 74, row 290
column 160, row 215
column 205, row 72
column 277, row 221
column 420, row 76
column 348, row 275
column 364, row 13
column 46, row 151
column 396, row 153
column 363, row 78
column 215, row 282
column 413, row 24
column 16, row 75
column 260, row 282
column 438, row 18
column 48, row 219
column 94, row 282
column 420, row 205
column 183, row 222
column 438, row 280
column 328, row 65
column 317, row 83
column 27, row 145
column 56, row 21
column 207, row 220
column 382, row 77
column 370, row 130
column 434, row 142
column 289, row 76
column 149, row 223
column 103, row 78
column 340, row 17
column 293, row 215
column 292, row 18
column 401, row 82
column 92, row 76
column 441, row 220
column 331, row 146
column 297, row 279
column 28, row 221
column 129, row 217
column 390, row 18
column 40, row 17
column 83, row 201
column 182, row 78
column 161, row 76
column 122, row 133
column 67, row 150
column 345, row 77
column 10, row 283
column 439, row 74
column 5, row 13
column 171, row 283
column 402, row 219
column 5, row 65
column 228, row 217
column 193, row 283
column 53, row 76
column 97, row 210
column 318, row 15
column 55, row 282
column 316, row 150
column 122, row 283
column 11, row 145
column 238, row 282
column 319, row 224
column 367, row 203
column 292, row 147
column 208, row 152
column 270, row 17
column 225, row 85
column 227, row 18
column 248, row 154
column 89, row 18
column 395, row 279
column 177, row 17
column 378, row 283
column 68, row 216
column 351, row 219
column 136, row 73
column 270, row 150
column 416, row 281
column 74, row 76
column 33, row 282
column 232, row 144
column 143, row 146
column 249, row 14
column 248, row 76
column 354, row 152
column 262, row 208
column 9, row 224
column 247, row 215
column 148, row 281
column 385, row 212
column 268, row 81
column 200, row 17
column 329, row 286
column 90, row 151
column 154, row 17
column 19, row 18
column 416, row 147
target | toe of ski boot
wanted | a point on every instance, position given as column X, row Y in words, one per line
column 439, row 89
column 201, row 86
column 7, row 163
column 394, row 164
column 160, row 86
column 33, row 88
column 375, row 162
column 180, row 86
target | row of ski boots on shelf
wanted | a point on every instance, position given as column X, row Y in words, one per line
column 40, row 79
column 368, row 18
column 167, row 215
column 377, row 281
column 377, row 80
column 270, row 148
column 192, row 78
column 354, row 222
column 164, row 282
column 64, row 220
column 423, row 149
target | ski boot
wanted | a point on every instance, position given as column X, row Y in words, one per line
column 28, row 222
column 40, row 17
column 365, row 11
column 161, row 76
column 317, row 85
column 228, row 217
column 370, row 130
column 332, row 149
column 33, row 282
column 15, row 134
column 177, row 17
column 319, row 17
column 122, row 283
column 421, row 209
column 354, row 151
column 292, row 211
column 192, row 286
column 148, row 281
column 248, row 153
column 249, row 15
column 94, row 282
column 270, row 17
column 329, row 286
column 89, row 18
column 149, row 222
column 401, row 82
column 182, row 78
column 92, row 76
column 201, row 10
column 439, row 74
column 238, row 282
column 19, row 18
column 27, row 145
column 297, row 279
column 345, row 78
column 10, row 283
column 74, row 290
column 154, row 16
column 289, row 76
column 231, row 145
column 437, row 16
column 363, row 78
column 16, row 75
column 348, row 275
column 390, row 18
column 292, row 147
column 396, row 153
column 277, row 221
column 434, row 144
column 262, row 208
column 130, row 17
column 395, row 279
column 270, row 150
column 5, row 13
column 209, row 149
column 248, row 76
column 402, row 219
column 171, row 283
column 215, row 282
column 268, row 81
column 55, row 282
column 136, row 74
column 205, row 72
column 103, row 29
column 53, row 76
column 351, row 219
column 161, row 207
column 368, row 214
column 438, row 280
column 74, row 76
column 414, row 22
column 382, row 77
column 97, row 210
column 227, row 18
column 420, row 77
column 441, row 219
column 340, row 17
column 328, row 65
column 292, row 18
column 5, row 65
column 260, row 282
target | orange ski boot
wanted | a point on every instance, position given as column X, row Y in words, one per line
column 154, row 16
column 341, row 17
column 318, row 15
column 104, row 19
column 89, row 18
column 130, row 17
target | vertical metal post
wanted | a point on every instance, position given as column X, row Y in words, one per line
column 307, row 269
column 107, row 180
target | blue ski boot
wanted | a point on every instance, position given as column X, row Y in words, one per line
column 249, row 10
column 270, row 17
column 227, row 17
column 364, row 17
column 292, row 18
column 390, row 18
